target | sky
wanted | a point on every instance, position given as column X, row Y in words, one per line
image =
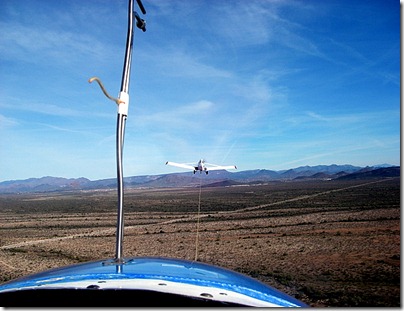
column 260, row 84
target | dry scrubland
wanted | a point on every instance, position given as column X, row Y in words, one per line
column 327, row 243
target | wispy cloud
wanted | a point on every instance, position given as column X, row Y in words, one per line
column 179, row 117
column 177, row 62
column 6, row 122
column 196, row 108
column 28, row 44
column 47, row 109
column 312, row 118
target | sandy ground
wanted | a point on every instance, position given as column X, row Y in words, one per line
column 328, row 244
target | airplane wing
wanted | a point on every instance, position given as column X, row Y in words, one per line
column 183, row 165
column 213, row 167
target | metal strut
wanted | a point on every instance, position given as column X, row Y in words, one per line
column 123, row 105
column 121, row 120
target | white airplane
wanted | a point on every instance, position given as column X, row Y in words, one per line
column 202, row 166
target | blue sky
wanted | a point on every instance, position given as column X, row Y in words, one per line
column 258, row 84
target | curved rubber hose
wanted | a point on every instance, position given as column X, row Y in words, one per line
column 116, row 100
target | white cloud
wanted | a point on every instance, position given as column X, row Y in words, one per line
column 180, row 63
column 47, row 109
column 30, row 44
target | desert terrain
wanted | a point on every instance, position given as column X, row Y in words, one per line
column 327, row 243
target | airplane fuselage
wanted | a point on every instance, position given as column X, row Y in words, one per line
column 201, row 167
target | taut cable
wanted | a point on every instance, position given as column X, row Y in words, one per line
column 197, row 220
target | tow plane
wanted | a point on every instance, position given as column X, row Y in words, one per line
column 202, row 166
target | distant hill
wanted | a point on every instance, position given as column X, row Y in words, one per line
column 213, row 179
column 368, row 173
column 44, row 184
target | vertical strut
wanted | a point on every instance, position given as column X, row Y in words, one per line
column 120, row 131
column 128, row 52
column 121, row 121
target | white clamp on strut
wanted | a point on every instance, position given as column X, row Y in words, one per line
column 123, row 106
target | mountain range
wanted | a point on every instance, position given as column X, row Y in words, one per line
column 213, row 179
